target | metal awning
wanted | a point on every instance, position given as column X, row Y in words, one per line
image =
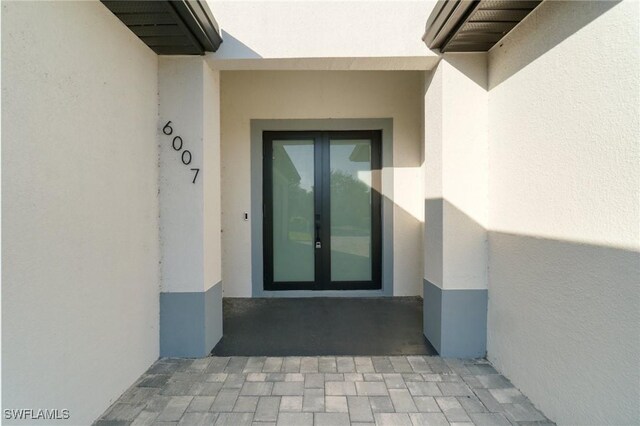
column 184, row 27
column 473, row 26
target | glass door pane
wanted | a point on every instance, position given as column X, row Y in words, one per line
column 293, row 210
column 351, row 211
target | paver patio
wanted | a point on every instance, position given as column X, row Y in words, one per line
column 298, row 391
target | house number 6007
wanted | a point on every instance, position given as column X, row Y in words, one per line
column 177, row 144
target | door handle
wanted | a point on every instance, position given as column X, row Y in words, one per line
column 318, row 243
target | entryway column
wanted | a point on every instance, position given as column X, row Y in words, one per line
column 455, row 238
column 189, row 145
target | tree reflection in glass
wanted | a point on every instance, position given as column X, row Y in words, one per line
column 293, row 210
column 350, row 181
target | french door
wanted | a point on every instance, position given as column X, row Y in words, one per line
column 322, row 210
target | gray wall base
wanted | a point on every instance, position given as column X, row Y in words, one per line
column 455, row 321
column 190, row 323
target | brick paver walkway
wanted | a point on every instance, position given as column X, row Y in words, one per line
column 299, row 391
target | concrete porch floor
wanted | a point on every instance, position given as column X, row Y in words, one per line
column 327, row 390
column 323, row 326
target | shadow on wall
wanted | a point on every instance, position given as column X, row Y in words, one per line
column 569, row 312
column 405, row 259
column 455, row 293
column 231, row 48
column 433, row 256
column 468, row 65
column 552, row 15
column 469, row 242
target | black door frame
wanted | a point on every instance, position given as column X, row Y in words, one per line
column 322, row 209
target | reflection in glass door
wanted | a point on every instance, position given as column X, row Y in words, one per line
column 322, row 210
column 293, row 209
column 350, row 199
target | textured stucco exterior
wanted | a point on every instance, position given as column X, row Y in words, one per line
column 563, row 210
column 79, row 208
column 455, row 205
column 191, row 300
column 455, row 172
column 317, row 95
column 189, row 212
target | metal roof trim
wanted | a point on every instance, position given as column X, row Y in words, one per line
column 170, row 27
column 473, row 25
column 198, row 18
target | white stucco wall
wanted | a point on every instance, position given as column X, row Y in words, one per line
column 189, row 212
column 276, row 34
column 212, row 251
column 455, row 172
column 247, row 95
column 79, row 207
column 564, row 167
